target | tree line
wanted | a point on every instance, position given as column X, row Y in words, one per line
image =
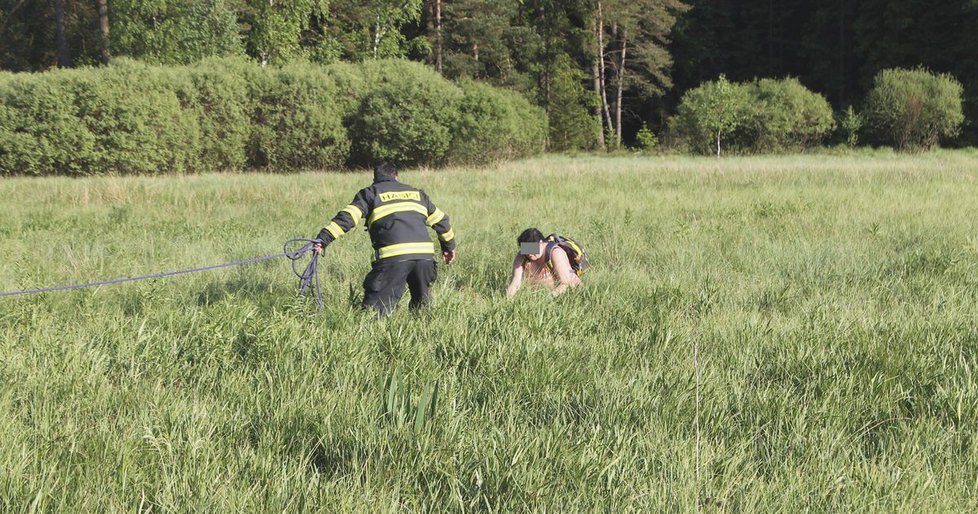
column 602, row 69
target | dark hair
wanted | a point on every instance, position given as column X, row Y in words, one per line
column 385, row 170
column 530, row 235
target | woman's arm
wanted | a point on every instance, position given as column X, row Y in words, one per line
column 517, row 279
column 565, row 274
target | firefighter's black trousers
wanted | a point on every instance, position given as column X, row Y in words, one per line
column 384, row 285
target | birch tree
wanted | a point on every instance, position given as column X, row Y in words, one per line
column 631, row 53
column 275, row 27
column 372, row 29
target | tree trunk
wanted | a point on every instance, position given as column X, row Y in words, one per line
column 103, row 25
column 376, row 38
column 718, row 144
column 596, row 78
column 621, row 80
column 59, row 31
column 545, row 77
column 429, row 29
column 546, row 90
column 603, row 75
column 438, row 37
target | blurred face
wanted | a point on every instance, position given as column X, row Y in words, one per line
column 532, row 251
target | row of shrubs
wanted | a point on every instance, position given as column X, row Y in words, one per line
column 220, row 114
column 906, row 109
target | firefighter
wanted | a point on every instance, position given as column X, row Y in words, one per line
column 397, row 217
column 546, row 260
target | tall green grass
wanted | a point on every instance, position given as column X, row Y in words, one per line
column 832, row 301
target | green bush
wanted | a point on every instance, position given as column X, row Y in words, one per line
column 355, row 81
column 645, row 139
column 496, row 124
column 231, row 113
column 297, row 123
column 137, row 120
column 787, row 116
column 409, row 119
column 709, row 113
column 850, row 123
column 40, row 131
column 913, row 109
column 221, row 101
column 123, row 119
column 763, row 116
column 351, row 83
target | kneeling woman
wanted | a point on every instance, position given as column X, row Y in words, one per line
column 542, row 262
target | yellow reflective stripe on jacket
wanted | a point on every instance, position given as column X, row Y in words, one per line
column 447, row 236
column 334, row 230
column 385, row 210
column 435, row 217
column 405, row 249
column 354, row 212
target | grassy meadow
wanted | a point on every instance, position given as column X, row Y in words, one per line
column 829, row 302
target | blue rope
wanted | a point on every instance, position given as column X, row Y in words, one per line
column 308, row 278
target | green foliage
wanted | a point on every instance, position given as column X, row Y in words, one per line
column 851, row 122
column 499, row 41
column 174, row 32
column 386, row 17
column 276, row 28
column 572, row 126
column 914, row 109
column 763, row 116
column 371, row 29
column 478, row 39
column 645, row 139
column 710, row 112
column 40, row 130
column 495, row 125
column 480, row 123
column 296, row 123
column 231, row 113
column 222, row 101
column 787, row 116
column 374, row 73
column 137, row 120
column 354, row 81
column 123, row 119
column 409, row 119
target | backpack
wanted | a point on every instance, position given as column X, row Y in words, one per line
column 575, row 253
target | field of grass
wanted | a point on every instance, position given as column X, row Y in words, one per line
column 830, row 303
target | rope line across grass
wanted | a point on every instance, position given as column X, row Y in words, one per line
column 308, row 277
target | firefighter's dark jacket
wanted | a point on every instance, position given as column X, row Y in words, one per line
column 398, row 217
